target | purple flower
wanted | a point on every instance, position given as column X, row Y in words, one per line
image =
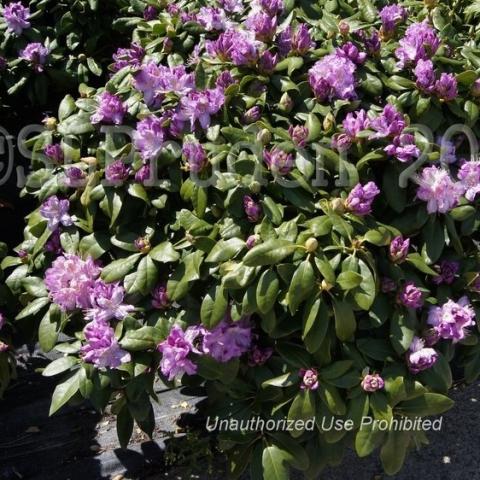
column 437, row 188
column 228, row 340
column 350, row 51
column 278, row 161
column 360, row 199
column 411, row 296
column 16, row 17
column 175, row 80
column 160, row 298
column 150, row 13
column 299, row 135
column 259, row 356
column 272, row 7
column 388, row 285
column 54, row 152
column 54, row 244
column 224, row 80
column 448, row 151
column 238, row 46
column 425, row 75
column 110, row 109
column 231, row 6
column 201, row 106
column 372, row 383
column 399, row 249
column 116, row 172
column 267, row 62
column 252, row 115
column 147, row 81
column 149, row 137
column 70, row 281
column 298, row 41
column 446, row 87
column 354, row 123
column 212, row 18
column 447, row 272
column 262, row 25
column 252, row 240
column 128, row 57
column 390, row 123
column 3, row 320
column 419, row 43
column 36, row 54
column 403, row 148
column 102, row 348
column 391, row 16
column 175, row 350
column 143, row 173
column 252, row 209
column 452, row 319
column 4, row 347
column 309, row 379
column 195, row 156
column 107, row 302
column 372, row 43
column 469, row 175
column 74, row 177
column 419, row 357
column 333, row 77
column 56, row 212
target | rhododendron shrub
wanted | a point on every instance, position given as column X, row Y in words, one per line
column 267, row 203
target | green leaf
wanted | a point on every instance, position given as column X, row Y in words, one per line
column 273, row 461
column 367, row 440
column 34, row 286
column 303, row 283
column 214, row 306
column 94, row 245
column 349, row 280
column 425, row 405
column 145, row 278
column 267, row 291
column 33, row 308
column 145, row 338
column 402, row 331
column 345, row 323
column 419, row 263
column 164, row 253
column 66, row 108
column 316, row 320
column 118, row 269
column 302, row 408
column 394, row 451
column 225, row 250
column 64, row 392
column 49, row 328
column 269, row 253
column 59, row 365
column 124, row 426
column 434, row 240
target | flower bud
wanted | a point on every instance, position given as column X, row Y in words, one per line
column 325, row 286
column 286, row 103
column 142, row 244
column 338, row 205
column 344, row 28
column 217, row 211
column 255, row 187
column 264, row 137
column 89, row 160
column 328, row 122
column 50, row 123
column 311, row 245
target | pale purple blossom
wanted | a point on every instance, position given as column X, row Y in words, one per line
column 252, row 240
column 299, row 135
column 309, row 379
column 228, row 340
column 70, row 280
column 201, row 105
column 116, row 171
column 425, row 75
column 419, row 43
column 267, row 62
column 350, row 50
column 55, row 210
column 419, row 357
column 128, row 57
column 272, row 7
column 452, row 319
column 175, row 350
column 231, row 6
column 102, row 348
column 448, row 151
column 391, row 16
column 296, row 41
column 372, row 382
column 278, row 161
column 333, row 77
column 147, row 81
column 211, row 18
column 4, row 347
column 237, row 46
column 437, row 188
column 398, row 250
column 195, row 155
column 390, row 123
column 54, row 245
column 224, row 80
column 74, row 177
column 149, row 137
column 36, row 54
column 262, row 25
column 143, row 173
column 411, row 296
column 110, row 109
column 353, row 124
column 252, row 115
column 150, row 13
column 469, row 175
column 447, row 272
column 106, row 301
column 403, row 148
column 54, row 152
column 446, row 87
column 16, row 17
column 361, row 197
